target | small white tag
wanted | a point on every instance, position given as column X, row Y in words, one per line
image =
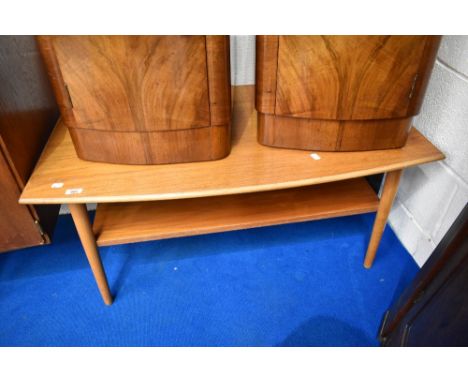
column 315, row 156
column 72, row 191
column 56, row 185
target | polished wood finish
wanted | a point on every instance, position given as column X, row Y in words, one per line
column 341, row 93
column 389, row 191
column 433, row 309
column 85, row 232
column 120, row 223
column 143, row 99
column 347, row 77
column 266, row 67
column 249, row 168
column 27, row 116
column 329, row 135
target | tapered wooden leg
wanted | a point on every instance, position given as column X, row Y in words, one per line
column 85, row 232
column 389, row 191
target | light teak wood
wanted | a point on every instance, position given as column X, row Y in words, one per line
column 341, row 93
column 85, row 232
column 389, row 191
column 249, row 168
column 143, row 99
column 120, row 223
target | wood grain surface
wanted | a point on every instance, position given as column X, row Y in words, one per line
column 389, row 191
column 17, row 227
column 28, row 111
column 85, row 232
column 129, row 91
column 120, row 223
column 347, row 77
column 28, row 114
column 331, row 135
column 266, row 67
column 358, row 82
column 250, row 167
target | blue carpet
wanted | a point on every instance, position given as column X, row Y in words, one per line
column 290, row 285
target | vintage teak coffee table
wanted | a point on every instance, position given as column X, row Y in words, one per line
column 254, row 186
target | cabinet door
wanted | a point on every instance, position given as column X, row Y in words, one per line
column 130, row 83
column 17, row 227
column 348, row 77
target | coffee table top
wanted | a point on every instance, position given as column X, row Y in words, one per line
column 61, row 177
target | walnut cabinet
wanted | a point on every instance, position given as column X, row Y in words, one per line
column 143, row 99
column 340, row 93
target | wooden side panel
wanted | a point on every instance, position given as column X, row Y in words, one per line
column 192, row 145
column 17, row 227
column 28, row 111
column 219, row 79
column 266, row 68
column 130, row 83
column 433, row 310
column 424, row 73
column 219, row 85
column 348, row 77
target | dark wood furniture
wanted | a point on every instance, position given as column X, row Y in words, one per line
column 254, row 186
column 340, row 93
column 433, row 310
column 143, row 99
column 28, row 114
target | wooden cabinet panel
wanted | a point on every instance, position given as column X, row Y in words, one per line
column 219, row 79
column 17, row 227
column 145, row 87
column 133, row 83
column 341, row 93
column 444, row 318
column 433, row 309
column 265, row 73
column 28, row 113
column 28, row 110
column 347, row 77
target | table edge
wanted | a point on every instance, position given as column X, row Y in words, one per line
column 77, row 199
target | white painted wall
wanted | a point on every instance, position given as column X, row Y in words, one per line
column 430, row 196
column 242, row 60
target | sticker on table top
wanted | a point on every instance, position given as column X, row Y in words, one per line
column 73, row 191
column 56, row 185
column 315, row 156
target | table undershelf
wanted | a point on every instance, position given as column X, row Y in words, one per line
column 119, row 223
